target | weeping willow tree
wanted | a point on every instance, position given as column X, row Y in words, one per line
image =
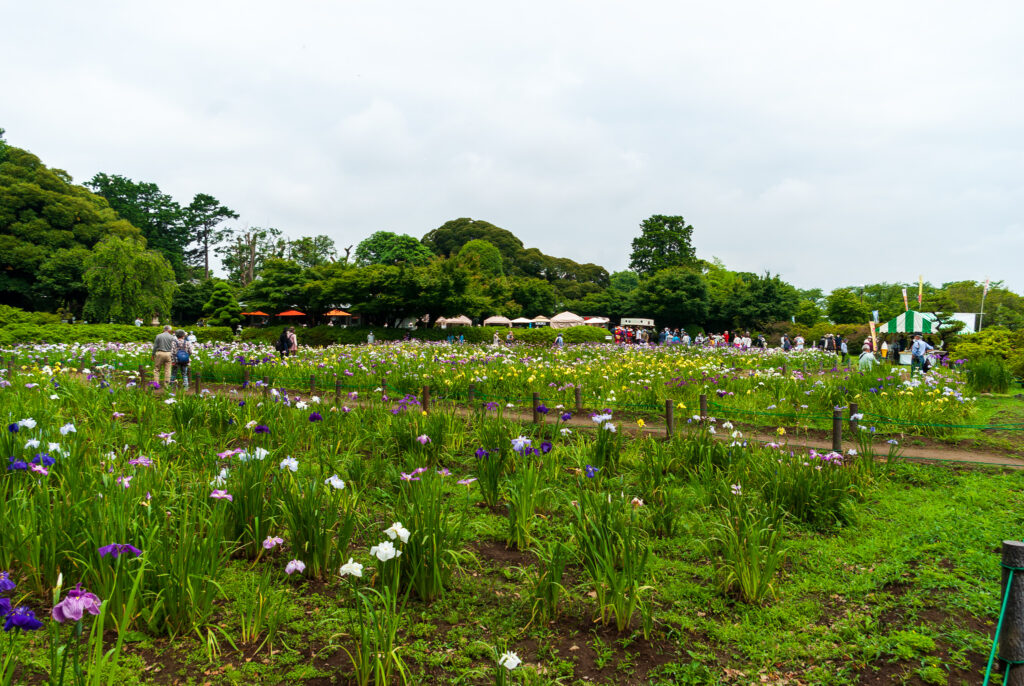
column 125, row 281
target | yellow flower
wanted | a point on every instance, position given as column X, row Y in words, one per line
column 640, row 423
column 680, row 406
column 781, row 431
column 424, row 413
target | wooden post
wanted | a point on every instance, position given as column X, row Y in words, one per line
column 784, row 369
column 1011, row 636
column 266, row 386
column 854, row 423
column 312, row 384
column 197, row 380
column 703, row 406
column 337, row 391
column 245, row 376
column 837, row 430
column 425, row 402
column 670, row 420
column 805, row 368
column 472, row 392
column 578, row 393
column 536, row 403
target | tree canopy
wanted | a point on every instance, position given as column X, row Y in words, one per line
column 664, row 242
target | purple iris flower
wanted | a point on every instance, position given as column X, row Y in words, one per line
column 75, row 605
column 115, row 549
column 22, row 618
column 14, row 428
column 16, row 464
column 545, row 447
column 566, row 416
column 262, row 429
column 481, row 453
column 488, row 406
column 543, row 409
column 315, row 417
column 43, row 459
column 591, row 471
column 5, row 607
column 5, row 582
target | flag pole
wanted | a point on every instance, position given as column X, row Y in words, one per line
column 984, row 292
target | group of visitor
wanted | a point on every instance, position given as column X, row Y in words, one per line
column 172, row 354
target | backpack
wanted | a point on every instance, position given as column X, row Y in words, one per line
column 283, row 343
column 182, row 356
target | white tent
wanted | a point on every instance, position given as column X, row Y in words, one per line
column 911, row 322
column 522, row 320
column 461, row 320
column 566, row 320
column 596, row 321
column 541, row 320
column 497, row 320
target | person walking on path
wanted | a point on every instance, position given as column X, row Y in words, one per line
column 867, row 359
column 844, row 348
column 181, row 357
column 163, row 344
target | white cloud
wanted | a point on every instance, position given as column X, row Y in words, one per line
column 783, row 133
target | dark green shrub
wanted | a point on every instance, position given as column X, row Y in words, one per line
column 988, row 375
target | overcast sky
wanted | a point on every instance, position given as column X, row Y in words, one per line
column 833, row 143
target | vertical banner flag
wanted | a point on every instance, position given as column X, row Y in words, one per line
column 874, row 314
column 874, row 339
column 920, row 288
column 905, row 305
column 985, row 292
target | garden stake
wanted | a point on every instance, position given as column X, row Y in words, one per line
column 312, row 384
column 670, row 420
column 266, row 386
column 472, row 392
column 536, row 403
column 245, row 376
column 1010, row 632
column 579, row 399
column 337, row 391
column 837, row 430
column 426, row 399
column 196, row 382
column 783, row 368
column 703, row 406
column 854, row 410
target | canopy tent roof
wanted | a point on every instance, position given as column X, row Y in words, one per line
column 337, row 313
column 540, row 319
column 291, row 313
column 461, row 320
column 256, row 313
column 522, row 320
column 565, row 320
column 911, row 322
column 596, row 321
column 497, row 320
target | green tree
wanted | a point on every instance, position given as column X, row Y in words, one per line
column 382, row 293
column 483, row 258
column 202, row 218
column 41, row 213
column 534, row 296
column 762, row 300
column 664, row 241
column 315, row 251
column 125, row 281
column 280, row 286
column 624, row 282
column 844, row 307
column 807, row 313
column 189, row 300
column 244, row 251
column 222, row 309
column 60, row 280
column 155, row 213
column 385, row 247
column 675, row 296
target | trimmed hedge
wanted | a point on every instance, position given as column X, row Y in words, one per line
column 12, row 334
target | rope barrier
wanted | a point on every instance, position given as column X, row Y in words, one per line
column 999, row 625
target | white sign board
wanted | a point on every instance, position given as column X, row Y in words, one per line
column 636, row 321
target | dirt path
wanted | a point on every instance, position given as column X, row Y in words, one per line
column 925, row 454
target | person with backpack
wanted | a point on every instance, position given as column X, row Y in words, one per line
column 283, row 344
column 181, row 357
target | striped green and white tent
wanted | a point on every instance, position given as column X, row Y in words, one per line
column 911, row 322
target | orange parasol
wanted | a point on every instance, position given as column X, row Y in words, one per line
column 291, row 313
column 337, row 313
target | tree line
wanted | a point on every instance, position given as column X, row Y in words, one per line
column 116, row 249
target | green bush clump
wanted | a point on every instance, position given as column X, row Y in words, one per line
column 988, row 375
